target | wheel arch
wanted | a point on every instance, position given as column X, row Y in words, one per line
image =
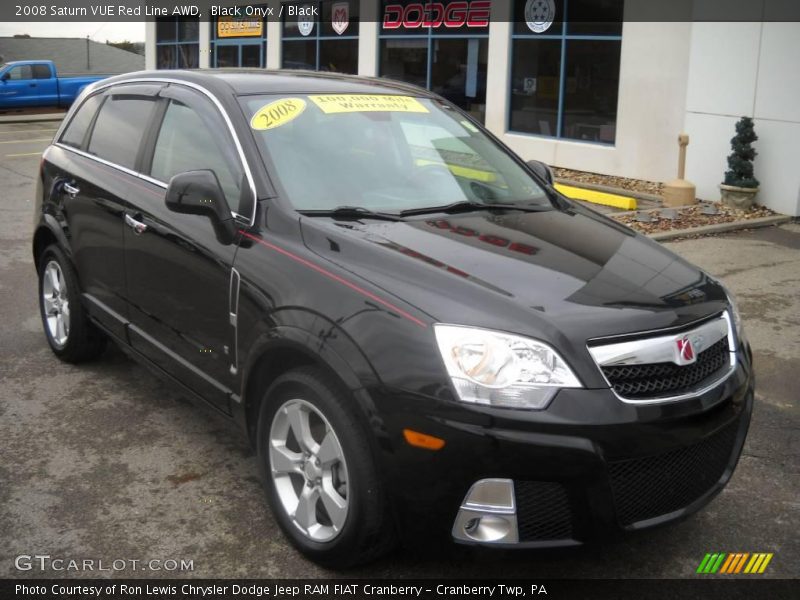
column 48, row 232
column 284, row 348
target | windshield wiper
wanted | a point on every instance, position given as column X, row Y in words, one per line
column 458, row 207
column 351, row 213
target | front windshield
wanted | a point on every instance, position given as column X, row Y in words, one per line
column 382, row 153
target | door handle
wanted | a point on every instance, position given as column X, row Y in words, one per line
column 71, row 190
column 138, row 227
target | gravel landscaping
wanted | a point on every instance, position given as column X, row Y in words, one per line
column 623, row 183
column 665, row 219
column 661, row 219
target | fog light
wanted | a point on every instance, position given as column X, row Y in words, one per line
column 489, row 528
column 488, row 513
column 472, row 526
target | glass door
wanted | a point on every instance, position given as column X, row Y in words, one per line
column 239, row 54
column 251, row 55
column 458, row 72
column 226, row 56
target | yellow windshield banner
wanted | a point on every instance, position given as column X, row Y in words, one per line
column 277, row 113
column 350, row 103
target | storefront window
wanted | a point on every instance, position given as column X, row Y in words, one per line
column 441, row 46
column 565, row 68
column 239, row 42
column 177, row 43
column 405, row 60
column 321, row 35
column 458, row 72
column 227, row 56
column 300, row 54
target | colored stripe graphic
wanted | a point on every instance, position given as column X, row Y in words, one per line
column 711, row 563
column 703, row 563
column 728, row 564
column 718, row 562
column 741, row 562
column 737, row 559
column 765, row 563
column 758, row 563
column 734, row 563
column 753, row 564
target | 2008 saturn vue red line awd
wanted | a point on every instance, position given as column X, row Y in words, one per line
column 421, row 337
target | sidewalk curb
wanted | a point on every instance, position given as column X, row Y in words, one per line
column 663, row 236
column 31, row 118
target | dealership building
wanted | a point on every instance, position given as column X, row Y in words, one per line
column 578, row 84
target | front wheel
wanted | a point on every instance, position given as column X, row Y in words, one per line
column 319, row 475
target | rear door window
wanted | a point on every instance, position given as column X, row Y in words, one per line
column 41, row 72
column 79, row 125
column 120, row 127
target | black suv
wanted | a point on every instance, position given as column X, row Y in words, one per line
column 420, row 336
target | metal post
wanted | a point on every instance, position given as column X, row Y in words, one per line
column 680, row 192
column 683, row 141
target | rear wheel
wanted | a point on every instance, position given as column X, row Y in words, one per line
column 318, row 471
column 71, row 335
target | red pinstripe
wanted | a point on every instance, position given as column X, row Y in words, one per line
column 336, row 278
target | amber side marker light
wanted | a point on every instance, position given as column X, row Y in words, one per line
column 421, row 440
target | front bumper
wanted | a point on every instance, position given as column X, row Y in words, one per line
column 589, row 467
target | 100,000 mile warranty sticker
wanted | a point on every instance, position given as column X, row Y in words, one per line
column 350, row 103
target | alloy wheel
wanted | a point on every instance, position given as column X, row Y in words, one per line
column 309, row 471
column 56, row 303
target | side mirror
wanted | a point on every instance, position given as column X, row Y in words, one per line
column 4, row 77
column 543, row 171
column 199, row 193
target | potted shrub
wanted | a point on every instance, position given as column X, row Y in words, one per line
column 740, row 187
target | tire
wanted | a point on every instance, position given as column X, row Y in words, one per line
column 76, row 339
column 339, row 538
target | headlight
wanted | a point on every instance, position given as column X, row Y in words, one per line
column 499, row 369
column 735, row 315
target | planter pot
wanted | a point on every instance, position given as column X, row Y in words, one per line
column 738, row 197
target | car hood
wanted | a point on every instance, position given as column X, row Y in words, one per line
column 555, row 273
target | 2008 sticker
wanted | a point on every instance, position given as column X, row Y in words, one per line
column 277, row 113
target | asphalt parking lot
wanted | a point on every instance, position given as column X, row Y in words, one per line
column 103, row 461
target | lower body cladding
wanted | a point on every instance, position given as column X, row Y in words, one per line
column 589, row 467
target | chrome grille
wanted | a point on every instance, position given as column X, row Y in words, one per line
column 657, row 369
column 659, row 379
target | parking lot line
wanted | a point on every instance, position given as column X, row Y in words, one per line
column 26, row 130
column 25, row 141
column 23, row 154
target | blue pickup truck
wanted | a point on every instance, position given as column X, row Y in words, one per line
column 28, row 83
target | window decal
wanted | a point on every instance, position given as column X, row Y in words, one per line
column 340, row 17
column 349, row 103
column 277, row 113
column 539, row 15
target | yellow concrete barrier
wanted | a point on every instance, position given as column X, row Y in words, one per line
column 576, row 193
